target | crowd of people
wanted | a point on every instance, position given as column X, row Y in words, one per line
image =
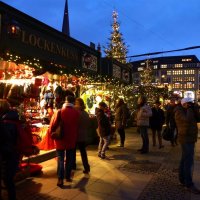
column 180, row 117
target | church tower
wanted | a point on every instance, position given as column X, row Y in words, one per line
column 65, row 26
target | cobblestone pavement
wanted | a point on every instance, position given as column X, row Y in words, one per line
column 164, row 184
column 125, row 174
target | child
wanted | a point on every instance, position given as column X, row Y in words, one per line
column 104, row 130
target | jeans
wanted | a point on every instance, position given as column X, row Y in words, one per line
column 186, row 164
column 158, row 132
column 82, row 147
column 121, row 132
column 143, row 130
column 174, row 135
column 64, row 170
column 103, row 145
column 9, row 163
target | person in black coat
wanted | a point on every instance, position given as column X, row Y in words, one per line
column 170, row 121
column 156, row 122
column 104, row 129
column 9, row 156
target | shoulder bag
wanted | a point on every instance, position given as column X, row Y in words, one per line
column 167, row 133
column 58, row 133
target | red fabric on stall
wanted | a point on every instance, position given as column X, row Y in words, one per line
column 47, row 143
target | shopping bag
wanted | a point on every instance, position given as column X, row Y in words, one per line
column 167, row 133
column 57, row 133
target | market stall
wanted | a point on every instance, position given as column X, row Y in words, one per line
column 38, row 64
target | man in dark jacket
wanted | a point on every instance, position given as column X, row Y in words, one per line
column 170, row 121
column 9, row 156
column 104, row 130
column 186, row 121
column 156, row 122
column 120, row 120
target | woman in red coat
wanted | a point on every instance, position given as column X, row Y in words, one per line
column 65, row 147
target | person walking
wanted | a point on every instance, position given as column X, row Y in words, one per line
column 104, row 130
column 156, row 123
column 186, row 118
column 9, row 155
column 83, row 130
column 66, row 146
column 142, row 119
column 120, row 120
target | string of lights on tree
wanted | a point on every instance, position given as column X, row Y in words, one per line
column 151, row 91
column 116, row 47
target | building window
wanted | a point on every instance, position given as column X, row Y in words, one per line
column 163, row 66
column 140, row 68
column 156, row 73
column 178, row 65
column 186, row 59
column 189, row 85
column 190, row 65
column 169, row 73
column 189, row 71
column 177, row 79
column 170, row 65
column 155, row 66
column 177, row 85
column 177, row 72
column 169, row 79
column 189, row 78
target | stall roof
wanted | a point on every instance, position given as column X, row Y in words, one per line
column 34, row 39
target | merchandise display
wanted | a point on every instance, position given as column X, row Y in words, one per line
column 35, row 98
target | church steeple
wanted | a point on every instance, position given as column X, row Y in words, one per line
column 65, row 26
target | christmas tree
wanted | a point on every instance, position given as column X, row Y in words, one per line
column 147, row 88
column 146, row 76
column 116, row 48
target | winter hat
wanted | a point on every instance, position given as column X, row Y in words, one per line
column 186, row 100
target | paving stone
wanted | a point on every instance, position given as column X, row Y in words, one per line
column 152, row 176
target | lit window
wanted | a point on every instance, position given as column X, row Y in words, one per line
column 140, row 68
column 186, row 59
column 189, row 78
column 175, row 79
column 169, row 73
column 178, row 65
column 177, row 72
column 155, row 61
column 189, row 85
column 189, row 71
column 155, row 67
column 177, row 85
column 163, row 66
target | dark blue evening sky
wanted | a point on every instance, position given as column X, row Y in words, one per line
column 146, row 25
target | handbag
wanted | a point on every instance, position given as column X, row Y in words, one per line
column 58, row 133
column 167, row 134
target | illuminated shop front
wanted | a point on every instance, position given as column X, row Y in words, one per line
column 184, row 94
column 122, row 79
column 38, row 64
